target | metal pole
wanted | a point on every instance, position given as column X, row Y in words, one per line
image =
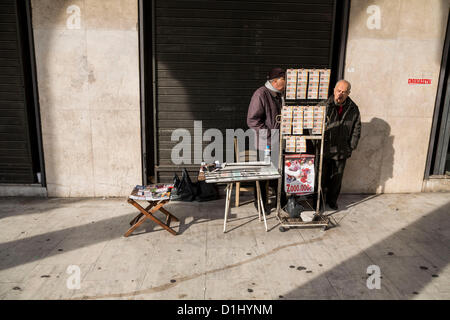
column 280, row 171
column 37, row 110
column 319, row 184
column 155, row 102
column 142, row 93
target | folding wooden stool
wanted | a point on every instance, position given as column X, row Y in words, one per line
column 148, row 213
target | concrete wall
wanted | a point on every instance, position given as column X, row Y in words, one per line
column 88, row 77
column 406, row 42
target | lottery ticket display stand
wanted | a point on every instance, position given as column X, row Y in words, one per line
column 303, row 118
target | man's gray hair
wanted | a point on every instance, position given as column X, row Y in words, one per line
column 343, row 80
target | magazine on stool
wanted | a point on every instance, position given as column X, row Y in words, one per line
column 152, row 192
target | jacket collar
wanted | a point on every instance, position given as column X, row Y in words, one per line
column 274, row 92
column 348, row 104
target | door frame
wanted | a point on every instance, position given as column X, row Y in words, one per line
column 27, row 52
column 440, row 130
column 147, row 68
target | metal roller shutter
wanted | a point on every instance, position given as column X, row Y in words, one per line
column 15, row 153
column 210, row 56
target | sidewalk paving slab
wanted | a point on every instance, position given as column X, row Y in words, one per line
column 406, row 235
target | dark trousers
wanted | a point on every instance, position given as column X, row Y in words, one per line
column 332, row 174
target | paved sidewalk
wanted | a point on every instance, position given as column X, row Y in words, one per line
column 406, row 235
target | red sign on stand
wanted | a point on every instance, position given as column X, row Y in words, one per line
column 299, row 174
column 419, row 81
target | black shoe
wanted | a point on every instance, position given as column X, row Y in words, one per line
column 333, row 205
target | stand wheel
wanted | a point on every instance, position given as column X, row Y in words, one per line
column 283, row 229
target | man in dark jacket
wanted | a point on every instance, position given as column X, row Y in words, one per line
column 264, row 107
column 343, row 130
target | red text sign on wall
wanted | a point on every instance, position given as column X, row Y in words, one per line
column 419, row 81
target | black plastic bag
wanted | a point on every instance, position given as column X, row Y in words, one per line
column 294, row 208
column 206, row 191
column 184, row 188
column 176, row 187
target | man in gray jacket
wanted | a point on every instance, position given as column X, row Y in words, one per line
column 264, row 107
column 343, row 130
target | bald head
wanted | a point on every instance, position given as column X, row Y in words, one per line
column 341, row 91
column 343, row 81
